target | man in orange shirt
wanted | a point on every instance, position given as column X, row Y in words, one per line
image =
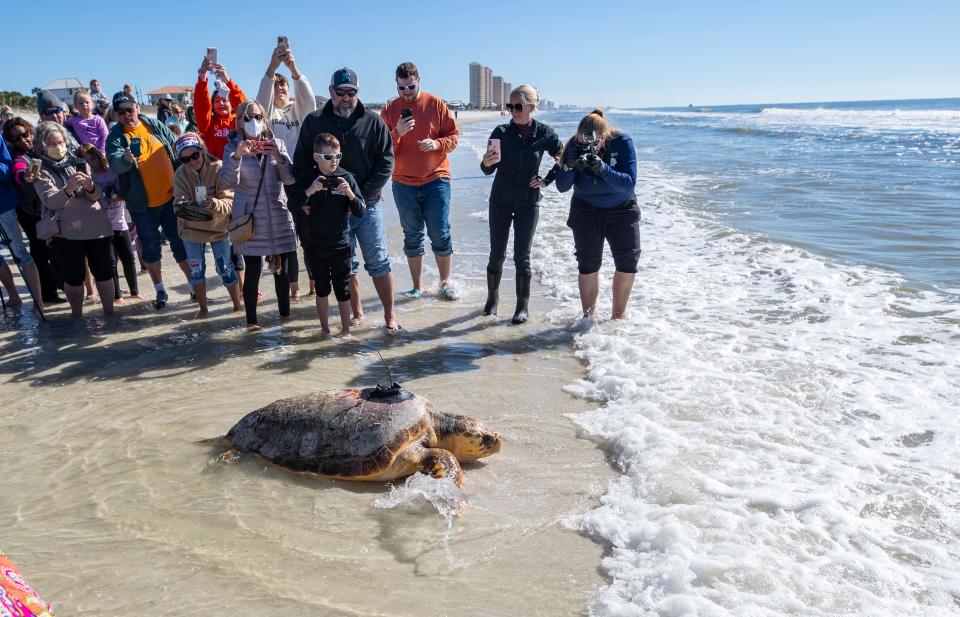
column 423, row 132
column 140, row 152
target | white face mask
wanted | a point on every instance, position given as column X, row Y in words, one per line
column 253, row 128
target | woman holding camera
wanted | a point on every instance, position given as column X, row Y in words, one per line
column 515, row 196
column 197, row 184
column 82, row 230
column 256, row 166
column 601, row 165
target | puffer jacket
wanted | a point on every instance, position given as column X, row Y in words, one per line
column 272, row 221
column 81, row 216
column 185, row 182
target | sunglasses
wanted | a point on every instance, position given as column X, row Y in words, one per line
column 253, row 117
column 350, row 93
column 20, row 137
column 52, row 110
column 330, row 157
column 123, row 112
column 188, row 159
column 517, row 107
column 408, row 88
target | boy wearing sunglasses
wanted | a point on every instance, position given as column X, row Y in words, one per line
column 332, row 197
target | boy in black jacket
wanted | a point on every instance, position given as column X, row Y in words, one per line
column 330, row 200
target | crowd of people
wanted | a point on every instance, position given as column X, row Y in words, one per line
column 97, row 185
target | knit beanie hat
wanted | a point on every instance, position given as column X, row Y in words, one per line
column 48, row 100
column 188, row 140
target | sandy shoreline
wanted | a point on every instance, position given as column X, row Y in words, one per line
column 113, row 497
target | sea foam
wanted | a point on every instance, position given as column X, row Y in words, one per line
column 784, row 424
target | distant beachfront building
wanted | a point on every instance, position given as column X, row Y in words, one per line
column 507, row 89
column 481, row 86
column 65, row 88
column 179, row 94
column 499, row 98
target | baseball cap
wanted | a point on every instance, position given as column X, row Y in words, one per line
column 122, row 100
column 344, row 77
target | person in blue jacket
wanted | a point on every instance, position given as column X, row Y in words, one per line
column 600, row 164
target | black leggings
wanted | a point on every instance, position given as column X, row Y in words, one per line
column 619, row 226
column 251, row 285
column 300, row 224
column 524, row 220
column 123, row 252
column 42, row 256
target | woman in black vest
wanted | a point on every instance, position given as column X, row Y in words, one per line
column 515, row 197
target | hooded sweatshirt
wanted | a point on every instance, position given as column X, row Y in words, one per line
column 215, row 130
column 285, row 123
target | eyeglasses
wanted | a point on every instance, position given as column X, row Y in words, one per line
column 409, row 87
column 52, row 110
column 330, row 157
column 517, row 107
column 123, row 112
column 191, row 158
column 350, row 93
column 253, row 117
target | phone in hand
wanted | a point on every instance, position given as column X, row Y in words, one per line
column 35, row 165
column 493, row 145
column 257, row 145
column 135, row 146
column 212, row 55
column 283, row 44
column 200, row 194
column 406, row 112
column 331, row 183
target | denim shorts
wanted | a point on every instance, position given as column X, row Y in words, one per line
column 12, row 229
column 427, row 204
column 370, row 233
column 197, row 261
column 148, row 226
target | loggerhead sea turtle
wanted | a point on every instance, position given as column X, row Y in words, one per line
column 373, row 434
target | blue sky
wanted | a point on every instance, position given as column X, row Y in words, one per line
column 628, row 54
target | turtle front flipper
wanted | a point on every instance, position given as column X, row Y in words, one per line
column 441, row 464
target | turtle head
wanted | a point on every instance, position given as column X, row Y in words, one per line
column 467, row 438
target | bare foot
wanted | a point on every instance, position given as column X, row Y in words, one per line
column 14, row 302
column 357, row 321
column 237, row 308
column 91, row 299
column 286, row 317
column 253, row 327
column 136, row 296
column 325, row 330
column 119, row 300
column 202, row 313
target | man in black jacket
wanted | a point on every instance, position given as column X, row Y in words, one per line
column 368, row 155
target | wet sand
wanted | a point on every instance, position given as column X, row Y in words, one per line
column 111, row 506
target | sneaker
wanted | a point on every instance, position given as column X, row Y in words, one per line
column 447, row 292
column 413, row 293
column 161, row 300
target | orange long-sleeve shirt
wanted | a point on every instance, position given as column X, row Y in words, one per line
column 215, row 131
column 434, row 121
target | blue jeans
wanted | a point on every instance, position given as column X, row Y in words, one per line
column 370, row 233
column 18, row 249
column 425, row 204
column 197, row 261
column 148, row 230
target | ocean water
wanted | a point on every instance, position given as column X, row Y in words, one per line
column 781, row 403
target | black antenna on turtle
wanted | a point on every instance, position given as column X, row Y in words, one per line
column 384, row 391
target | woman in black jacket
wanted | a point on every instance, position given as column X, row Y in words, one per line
column 515, row 197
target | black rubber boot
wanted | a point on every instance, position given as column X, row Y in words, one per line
column 493, row 292
column 523, row 297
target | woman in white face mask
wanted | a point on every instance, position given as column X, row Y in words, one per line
column 256, row 166
column 72, row 209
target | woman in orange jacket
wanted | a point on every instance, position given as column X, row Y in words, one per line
column 216, row 115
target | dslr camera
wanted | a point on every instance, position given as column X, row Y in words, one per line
column 587, row 154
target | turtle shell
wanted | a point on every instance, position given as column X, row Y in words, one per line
column 349, row 433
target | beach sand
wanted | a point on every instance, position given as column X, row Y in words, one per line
column 112, row 506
